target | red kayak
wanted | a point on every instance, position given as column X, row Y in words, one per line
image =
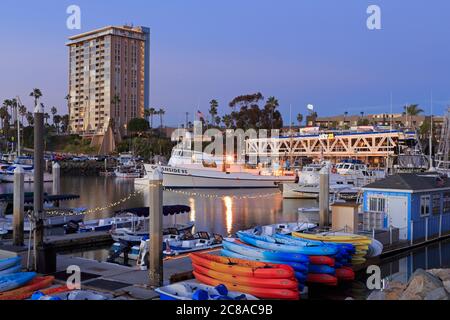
column 263, row 293
column 345, row 274
column 322, row 278
column 321, row 260
column 26, row 291
column 244, row 268
column 248, row 281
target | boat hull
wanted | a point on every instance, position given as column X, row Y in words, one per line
column 211, row 179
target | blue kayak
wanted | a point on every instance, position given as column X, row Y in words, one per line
column 269, row 243
column 10, row 262
column 298, row 267
column 343, row 248
column 13, row 269
column 16, row 280
column 246, row 250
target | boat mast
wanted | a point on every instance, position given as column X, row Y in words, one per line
column 431, row 136
column 19, row 103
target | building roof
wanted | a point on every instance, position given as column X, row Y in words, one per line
column 412, row 182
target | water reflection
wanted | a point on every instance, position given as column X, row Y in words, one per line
column 228, row 202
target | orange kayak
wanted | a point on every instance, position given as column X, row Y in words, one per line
column 264, row 293
column 322, row 278
column 243, row 268
column 248, row 281
column 26, row 291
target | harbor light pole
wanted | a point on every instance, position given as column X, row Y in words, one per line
column 38, row 202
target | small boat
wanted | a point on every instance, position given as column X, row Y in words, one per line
column 270, row 243
column 193, row 290
column 191, row 243
column 12, row 281
column 241, row 267
column 326, row 279
column 263, row 293
column 282, row 228
column 10, row 262
column 246, row 250
column 26, row 163
column 329, row 237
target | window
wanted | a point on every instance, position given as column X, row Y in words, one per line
column 425, row 206
column 436, row 204
column 377, row 204
column 446, row 206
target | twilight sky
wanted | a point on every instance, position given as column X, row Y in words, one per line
column 300, row 51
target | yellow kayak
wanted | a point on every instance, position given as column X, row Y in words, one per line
column 358, row 260
column 354, row 239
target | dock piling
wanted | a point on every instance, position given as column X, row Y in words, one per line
column 324, row 197
column 56, row 175
column 155, row 222
column 18, row 211
column 38, row 202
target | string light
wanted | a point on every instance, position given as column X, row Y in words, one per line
column 139, row 191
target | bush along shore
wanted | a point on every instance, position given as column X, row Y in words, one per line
column 85, row 168
column 423, row 285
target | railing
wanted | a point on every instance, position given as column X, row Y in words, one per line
column 429, row 228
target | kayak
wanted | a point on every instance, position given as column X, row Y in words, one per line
column 314, row 268
column 297, row 266
column 245, row 268
column 15, row 280
column 343, row 248
column 247, row 281
column 264, row 293
column 329, row 261
column 326, row 279
column 355, row 239
column 246, row 250
column 27, row 290
column 13, row 269
column 193, row 290
column 10, row 262
column 266, row 242
column 345, row 274
column 282, row 228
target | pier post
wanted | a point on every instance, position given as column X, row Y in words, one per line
column 155, row 222
column 18, row 211
column 324, row 197
column 38, row 203
column 56, row 176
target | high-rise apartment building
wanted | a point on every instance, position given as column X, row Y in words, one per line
column 108, row 79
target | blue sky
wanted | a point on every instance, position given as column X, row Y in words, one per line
column 300, row 51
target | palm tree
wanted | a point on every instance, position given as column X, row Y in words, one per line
column 146, row 114
column 56, row 121
column 161, row 113
column 213, row 110
column 65, row 120
column 36, row 94
column 413, row 110
column 54, row 111
column 22, row 112
column 152, row 112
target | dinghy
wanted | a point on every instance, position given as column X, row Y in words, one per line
column 193, row 290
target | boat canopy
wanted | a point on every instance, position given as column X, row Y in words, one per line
column 167, row 210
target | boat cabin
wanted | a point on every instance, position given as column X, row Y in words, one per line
column 418, row 204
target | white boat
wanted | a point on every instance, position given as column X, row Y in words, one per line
column 186, row 169
column 345, row 177
column 26, row 163
column 127, row 168
column 282, row 228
